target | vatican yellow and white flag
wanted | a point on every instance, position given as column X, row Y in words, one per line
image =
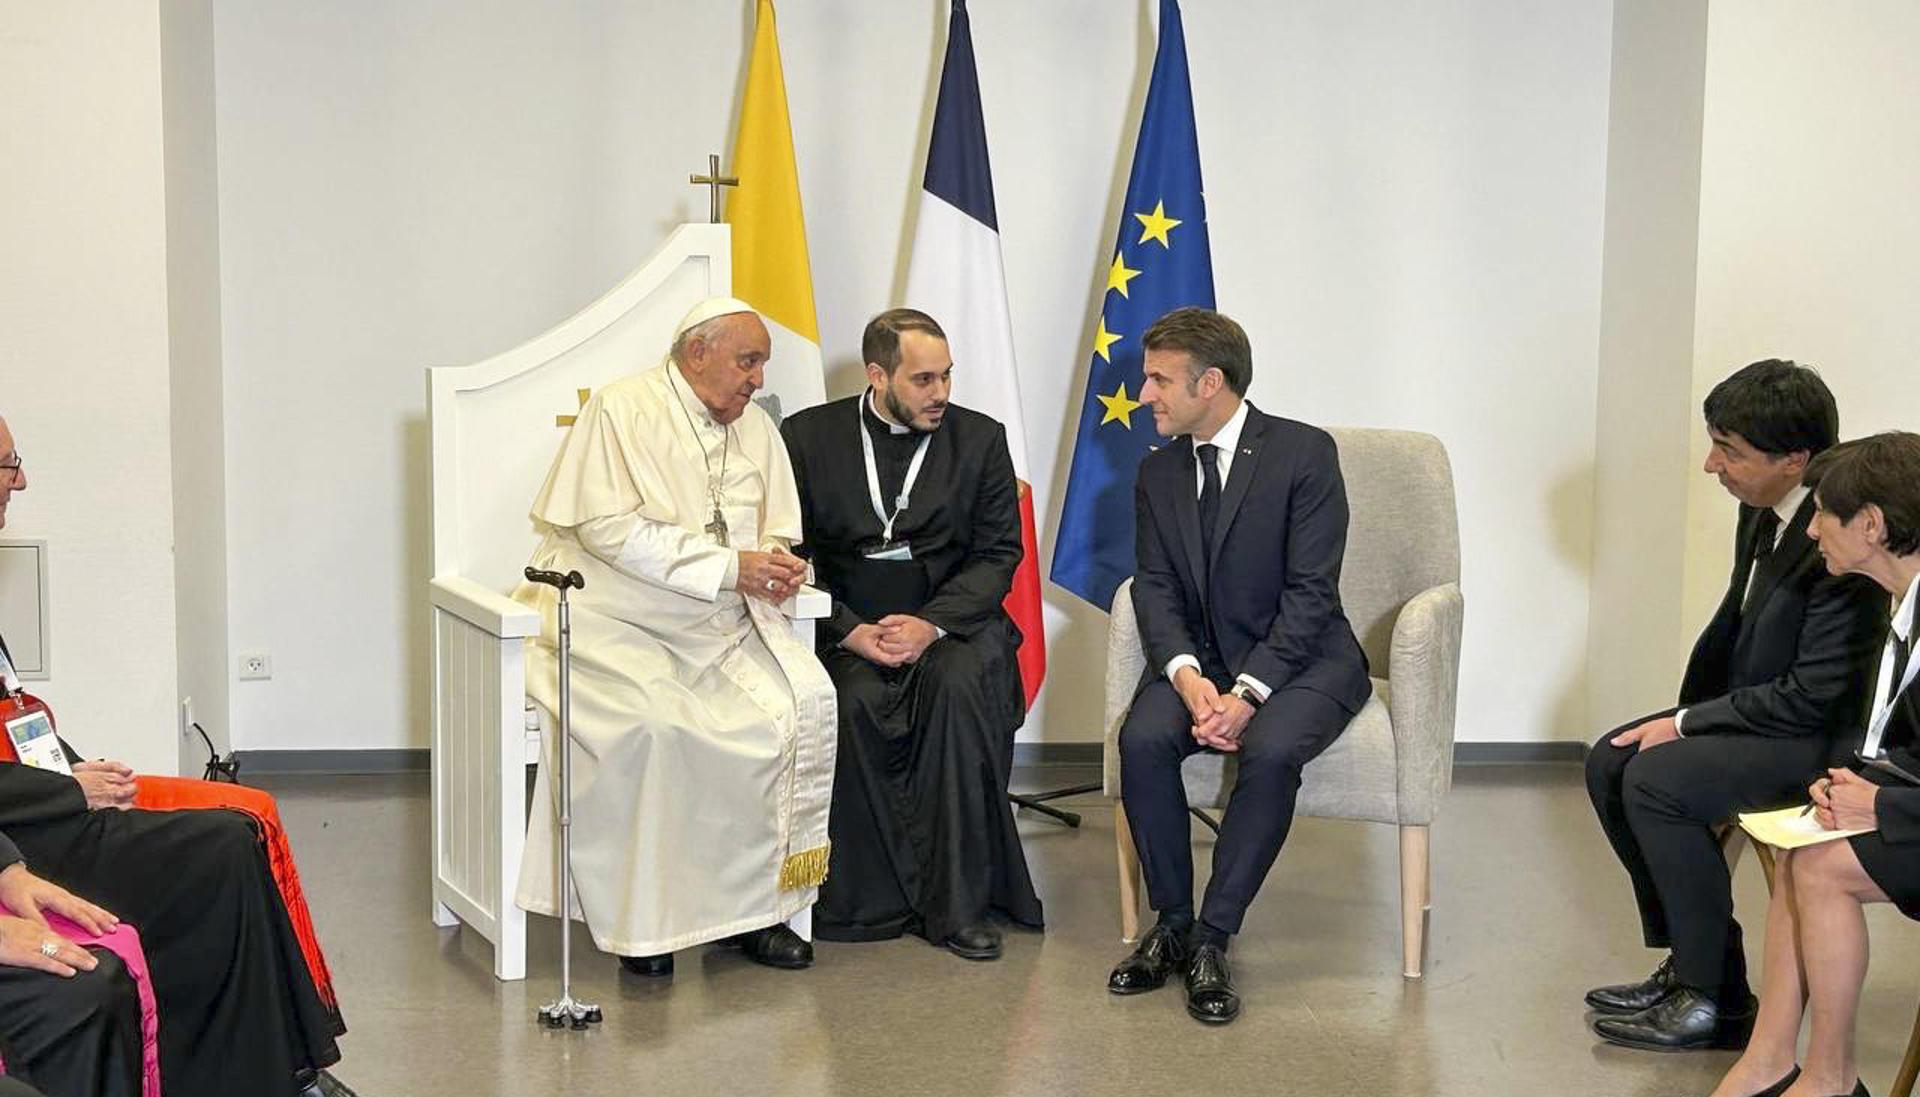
column 770, row 268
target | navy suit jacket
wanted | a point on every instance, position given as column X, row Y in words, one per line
column 1271, row 586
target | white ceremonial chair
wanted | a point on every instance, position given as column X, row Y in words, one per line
column 1400, row 586
column 496, row 427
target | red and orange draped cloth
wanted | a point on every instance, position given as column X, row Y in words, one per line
column 188, row 794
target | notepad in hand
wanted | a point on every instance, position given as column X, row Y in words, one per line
column 1790, row 828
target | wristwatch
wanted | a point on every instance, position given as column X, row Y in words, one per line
column 1245, row 693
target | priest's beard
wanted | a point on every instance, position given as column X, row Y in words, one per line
column 903, row 415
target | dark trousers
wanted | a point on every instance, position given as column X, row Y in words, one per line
column 1659, row 808
column 77, row 1037
column 1286, row 733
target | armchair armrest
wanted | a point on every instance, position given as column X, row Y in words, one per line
column 483, row 607
column 1423, row 687
column 808, row 604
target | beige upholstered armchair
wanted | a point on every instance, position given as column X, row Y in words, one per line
column 1400, row 585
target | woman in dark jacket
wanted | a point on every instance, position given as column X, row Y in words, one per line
column 1867, row 522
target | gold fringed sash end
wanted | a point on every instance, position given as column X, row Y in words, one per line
column 805, row 870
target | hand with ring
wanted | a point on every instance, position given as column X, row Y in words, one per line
column 29, row 944
column 770, row 576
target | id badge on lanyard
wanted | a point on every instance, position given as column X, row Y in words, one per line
column 886, row 548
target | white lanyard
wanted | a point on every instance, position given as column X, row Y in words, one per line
column 9, row 677
column 873, row 478
column 1877, row 727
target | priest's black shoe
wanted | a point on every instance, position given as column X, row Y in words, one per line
column 1210, row 995
column 978, row 941
column 1160, row 953
column 652, row 966
column 1685, row 1020
column 326, row 1085
column 775, row 946
column 1626, row 998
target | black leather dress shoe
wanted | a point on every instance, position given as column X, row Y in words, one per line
column 1624, row 998
column 1685, row 1020
column 1160, row 953
column 326, row 1085
column 775, row 946
column 1210, row 995
column 650, row 966
column 978, row 941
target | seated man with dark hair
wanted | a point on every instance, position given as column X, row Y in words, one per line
column 1241, row 528
column 920, row 649
column 1781, row 669
column 239, row 1006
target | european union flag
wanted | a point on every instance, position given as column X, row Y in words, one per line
column 1161, row 262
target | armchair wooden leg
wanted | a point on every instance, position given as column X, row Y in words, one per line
column 1129, row 864
column 1415, row 897
column 1909, row 1064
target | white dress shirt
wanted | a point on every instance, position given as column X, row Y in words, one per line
column 1885, row 690
column 1785, row 509
column 1227, row 438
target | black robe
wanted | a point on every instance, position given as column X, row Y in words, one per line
column 924, row 839
column 239, row 1013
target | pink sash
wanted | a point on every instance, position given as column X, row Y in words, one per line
column 123, row 942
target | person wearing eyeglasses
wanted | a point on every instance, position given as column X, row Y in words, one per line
column 1866, row 521
column 240, row 1011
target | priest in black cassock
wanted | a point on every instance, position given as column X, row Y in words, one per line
column 912, row 524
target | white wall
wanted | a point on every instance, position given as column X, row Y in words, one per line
column 1406, row 211
column 1647, row 415
column 83, row 359
column 1809, row 234
column 198, row 412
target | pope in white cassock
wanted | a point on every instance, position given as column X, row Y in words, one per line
column 703, row 729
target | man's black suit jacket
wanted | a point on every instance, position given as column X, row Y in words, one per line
column 1269, row 585
column 1800, row 659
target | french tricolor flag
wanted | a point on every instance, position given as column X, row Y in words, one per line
column 956, row 276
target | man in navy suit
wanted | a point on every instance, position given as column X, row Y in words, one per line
column 1240, row 528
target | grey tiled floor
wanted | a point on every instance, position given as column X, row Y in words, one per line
column 1529, row 909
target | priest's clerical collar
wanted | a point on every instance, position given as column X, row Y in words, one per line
column 892, row 427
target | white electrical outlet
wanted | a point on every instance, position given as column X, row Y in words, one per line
column 255, row 666
column 186, row 718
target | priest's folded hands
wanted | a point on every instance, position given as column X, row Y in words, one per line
column 895, row 640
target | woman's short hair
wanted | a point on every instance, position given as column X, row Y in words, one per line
column 1881, row 469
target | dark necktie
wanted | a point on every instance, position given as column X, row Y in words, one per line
column 1902, row 648
column 1764, row 531
column 1209, row 495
